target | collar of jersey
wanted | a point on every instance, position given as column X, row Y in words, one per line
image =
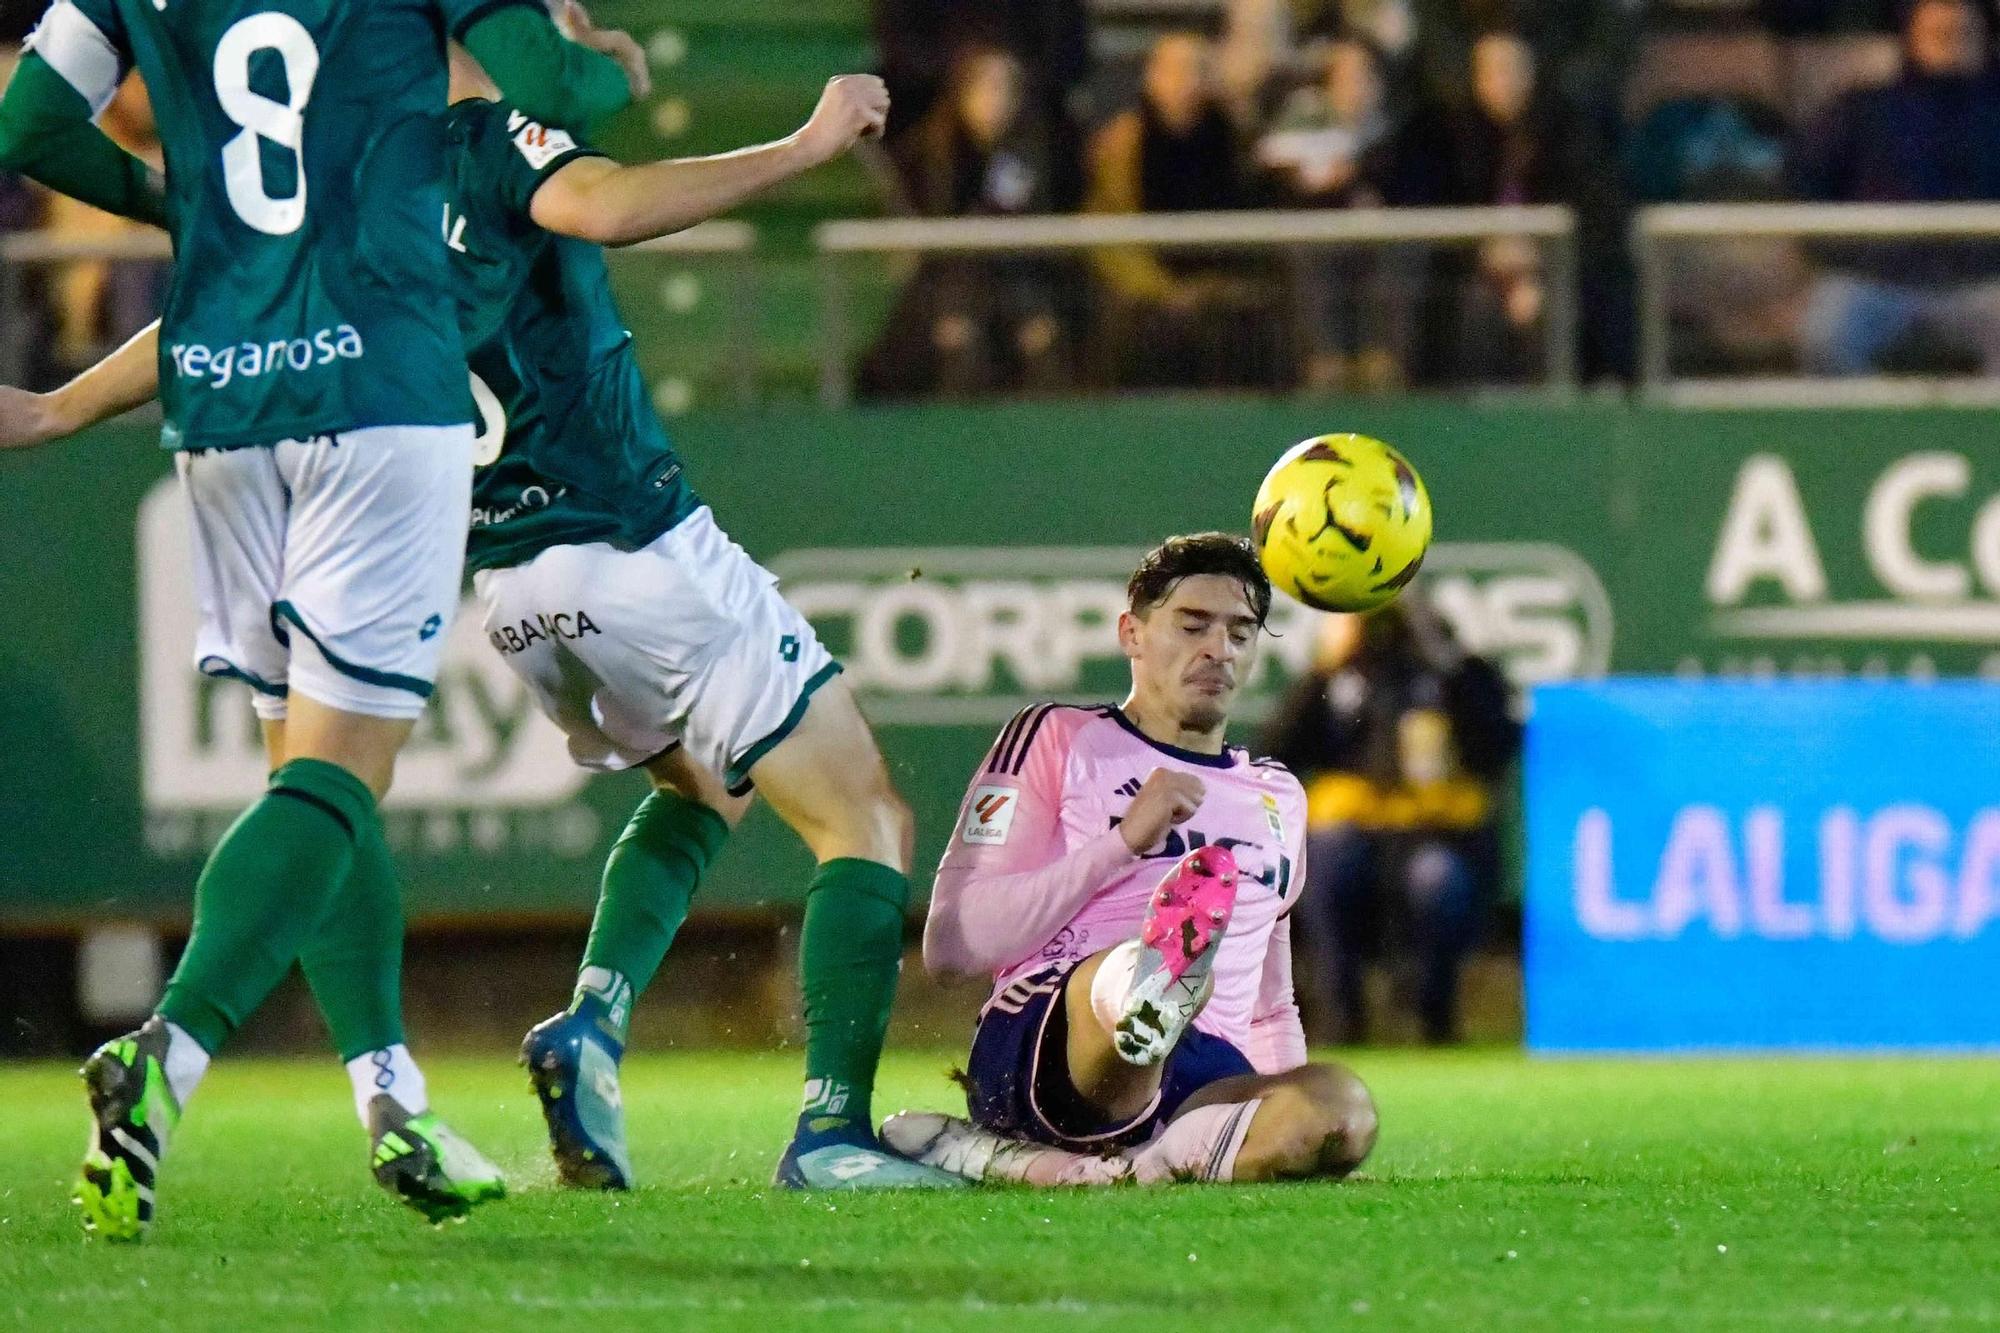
column 1224, row 760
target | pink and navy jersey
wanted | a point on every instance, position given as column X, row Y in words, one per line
column 1037, row 874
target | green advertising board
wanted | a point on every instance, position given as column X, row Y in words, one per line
column 964, row 561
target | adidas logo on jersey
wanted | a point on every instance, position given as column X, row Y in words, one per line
column 1128, row 788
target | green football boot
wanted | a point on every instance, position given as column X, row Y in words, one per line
column 133, row 1114
column 421, row 1161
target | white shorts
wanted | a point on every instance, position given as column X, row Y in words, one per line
column 331, row 565
column 631, row 653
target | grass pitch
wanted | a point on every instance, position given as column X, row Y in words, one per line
column 1506, row 1193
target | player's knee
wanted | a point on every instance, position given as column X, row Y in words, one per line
column 1323, row 1124
column 1346, row 1124
column 1288, row 1138
column 870, row 818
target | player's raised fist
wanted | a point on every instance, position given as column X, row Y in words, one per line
column 851, row 107
column 631, row 57
column 25, row 419
column 1165, row 799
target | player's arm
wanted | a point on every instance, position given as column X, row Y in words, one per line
column 595, row 199
column 550, row 77
column 69, row 74
column 1007, row 883
column 126, row 379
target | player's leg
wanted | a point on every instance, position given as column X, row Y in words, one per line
column 1128, row 1006
column 1314, row 1121
column 650, row 879
column 691, row 629
column 573, row 624
column 1054, row 1079
column 140, row 1083
column 825, row 777
column 373, row 557
column 1317, row 1121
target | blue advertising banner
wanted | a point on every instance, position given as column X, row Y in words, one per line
column 1805, row 865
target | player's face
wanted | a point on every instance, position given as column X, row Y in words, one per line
column 1192, row 652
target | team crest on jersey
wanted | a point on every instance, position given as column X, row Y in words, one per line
column 537, row 142
column 990, row 815
column 1273, row 818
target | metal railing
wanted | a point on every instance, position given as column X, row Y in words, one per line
column 726, row 240
column 1657, row 232
column 1658, row 235
column 1551, row 228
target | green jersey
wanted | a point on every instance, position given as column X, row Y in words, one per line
column 569, row 450
column 305, row 180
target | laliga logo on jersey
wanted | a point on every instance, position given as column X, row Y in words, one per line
column 1937, row 592
column 990, row 815
column 947, row 636
column 480, row 744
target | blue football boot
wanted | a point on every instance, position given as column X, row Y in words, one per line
column 572, row 1062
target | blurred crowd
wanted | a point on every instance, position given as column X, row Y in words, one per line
column 1406, row 743
column 1015, row 107
column 1021, row 107
column 59, row 318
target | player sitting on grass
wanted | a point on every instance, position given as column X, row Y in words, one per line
column 318, row 408
column 1125, row 877
column 652, row 639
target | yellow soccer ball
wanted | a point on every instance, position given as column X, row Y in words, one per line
column 1341, row 523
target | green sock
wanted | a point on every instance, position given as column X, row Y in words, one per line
column 649, row 881
column 354, row 963
column 849, row 955
column 263, row 894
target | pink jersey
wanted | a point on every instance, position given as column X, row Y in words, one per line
column 1037, row 872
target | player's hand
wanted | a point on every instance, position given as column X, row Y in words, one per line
column 1165, row 799
column 851, row 107
column 620, row 46
column 26, row 419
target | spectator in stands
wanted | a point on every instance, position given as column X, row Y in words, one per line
column 919, row 40
column 1207, row 319
column 1932, row 136
column 983, row 323
column 1333, row 145
column 1498, row 149
column 1401, row 738
column 1733, row 305
column 99, row 303
column 24, row 339
column 1265, row 42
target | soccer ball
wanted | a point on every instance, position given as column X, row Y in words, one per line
column 1341, row 523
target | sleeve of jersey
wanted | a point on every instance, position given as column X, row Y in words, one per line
column 1297, row 843
column 534, row 153
column 1008, row 883
column 46, row 132
column 550, row 78
column 1277, row 1040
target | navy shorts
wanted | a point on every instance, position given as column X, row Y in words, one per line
column 1017, row 1080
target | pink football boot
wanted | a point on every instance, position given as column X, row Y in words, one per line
column 1185, row 922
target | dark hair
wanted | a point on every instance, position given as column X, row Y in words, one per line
column 1178, row 558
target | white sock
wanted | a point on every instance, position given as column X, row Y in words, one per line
column 186, row 1062
column 392, row 1070
column 1112, row 985
column 1201, row 1145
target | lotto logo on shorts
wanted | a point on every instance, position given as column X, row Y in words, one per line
column 990, row 815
